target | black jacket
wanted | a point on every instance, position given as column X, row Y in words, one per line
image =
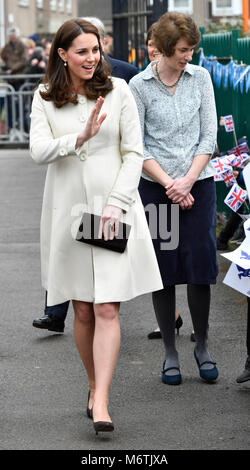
column 121, row 69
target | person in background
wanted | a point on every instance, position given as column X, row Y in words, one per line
column 35, row 38
column 245, row 375
column 108, row 44
column 47, row 46
column 131, row 52
column 30, row 44
column 178, row 118
column 234, row 223
column 37, row 62
column 14, row 55
column 54, row 316
column 142, row 59
column 153, row 53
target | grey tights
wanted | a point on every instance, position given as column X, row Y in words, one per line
column 199, row 304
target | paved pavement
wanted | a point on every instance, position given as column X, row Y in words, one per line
column 43, row 388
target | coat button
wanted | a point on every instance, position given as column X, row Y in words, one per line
column 82, row 118
column 62, row 152
column 82, row 157
column 81, row 100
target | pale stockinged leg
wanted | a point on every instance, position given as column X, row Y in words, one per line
column 106, row 347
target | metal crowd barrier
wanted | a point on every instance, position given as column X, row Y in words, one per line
column 15, row 107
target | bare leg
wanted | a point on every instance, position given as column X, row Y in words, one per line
column 106, row 347
column 84, row 327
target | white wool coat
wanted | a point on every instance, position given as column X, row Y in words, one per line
column 105, row 170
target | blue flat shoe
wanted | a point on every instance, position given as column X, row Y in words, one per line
column 171, row 379
column 209, row 375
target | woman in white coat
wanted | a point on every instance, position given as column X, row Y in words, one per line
column 94, row 166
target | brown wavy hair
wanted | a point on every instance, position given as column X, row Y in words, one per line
column 170, row 28
column 57, row 80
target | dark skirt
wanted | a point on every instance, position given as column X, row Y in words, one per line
column 185, row 254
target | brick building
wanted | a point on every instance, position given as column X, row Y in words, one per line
column 35, row 16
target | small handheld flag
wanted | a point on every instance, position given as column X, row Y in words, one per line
column 229, row 123
column 235, row 197
column 229, row 178
column 220, row 165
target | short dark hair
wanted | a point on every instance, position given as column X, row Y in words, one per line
column 57, row 79
column 170, row 28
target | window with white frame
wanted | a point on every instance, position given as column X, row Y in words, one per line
column 68, row 6
column 39, row 3
column 52, row 5
column 181, row 6
column 226, row 7
column 224, row 3
column 61, row 5
column 23, row 3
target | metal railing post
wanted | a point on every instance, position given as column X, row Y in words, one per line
column 15, row 107
column 160, row 7
column 120, row 29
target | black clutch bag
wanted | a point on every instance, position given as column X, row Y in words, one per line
column 88, row 233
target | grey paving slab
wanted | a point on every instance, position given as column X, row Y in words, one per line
column 43, row 387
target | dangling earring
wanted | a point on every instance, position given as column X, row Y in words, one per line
column 65, row 64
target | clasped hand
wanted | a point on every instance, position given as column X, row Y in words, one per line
column 179, row 192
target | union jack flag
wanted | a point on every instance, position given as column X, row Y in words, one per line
column 242, row 147
column 229, row 178
column 229, row 123
column 228, row 159
column 235, row 197
column 220, row 165
column 218, row 177
column 239, row 160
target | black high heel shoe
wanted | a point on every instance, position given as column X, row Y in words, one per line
column 103, row 426
column 154, row 335
column 157, row 334
column 192, row 337
column 89, row 411
column 178, row 324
